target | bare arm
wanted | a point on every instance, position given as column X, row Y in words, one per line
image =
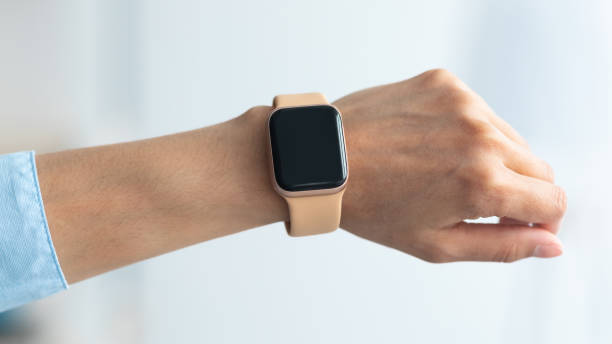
column 424, row 154
column 115, row 205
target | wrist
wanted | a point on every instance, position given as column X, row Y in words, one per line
column 227, row 186
column 251, row 166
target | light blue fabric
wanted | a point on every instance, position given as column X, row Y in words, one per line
column 29, row 269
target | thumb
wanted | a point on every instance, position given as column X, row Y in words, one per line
column 497, row 242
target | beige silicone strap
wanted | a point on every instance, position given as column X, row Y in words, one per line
column 310, row 215
column 302, row 99
column 314, row 214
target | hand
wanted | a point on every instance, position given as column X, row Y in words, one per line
column 427, row 153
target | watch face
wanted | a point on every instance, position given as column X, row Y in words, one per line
column 308, row 148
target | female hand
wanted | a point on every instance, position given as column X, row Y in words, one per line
column 426, row 154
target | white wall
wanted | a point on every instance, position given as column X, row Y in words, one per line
column 95, row 72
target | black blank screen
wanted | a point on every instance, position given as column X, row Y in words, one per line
column 308, row 148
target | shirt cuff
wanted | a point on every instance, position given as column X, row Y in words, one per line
column 29, row 269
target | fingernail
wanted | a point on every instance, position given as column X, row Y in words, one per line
column 548, row 251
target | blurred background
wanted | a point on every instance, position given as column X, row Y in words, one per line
column 84, row 72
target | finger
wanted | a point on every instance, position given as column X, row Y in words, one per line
column 551, row 227
column 523, row 161
column 502, row 125
column 506, row 128
column 526, row 199
column 495, row 242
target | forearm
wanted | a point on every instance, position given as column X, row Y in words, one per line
column 424, row 154
column 114, row 205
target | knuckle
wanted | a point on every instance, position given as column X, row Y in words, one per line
column 483, row 191
column 460, row 103
column 487, row 177
column 438, row 77
column 488, row 142
column 498, row 196
column 480, row 140
column 523, row 142
column 477, row 129
column 450, row 93
column 437, row 73
column 481, row 174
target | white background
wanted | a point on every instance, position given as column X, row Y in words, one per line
column 83, row 72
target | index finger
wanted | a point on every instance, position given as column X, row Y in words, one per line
column 528, row 200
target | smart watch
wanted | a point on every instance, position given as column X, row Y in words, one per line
column 308, row 162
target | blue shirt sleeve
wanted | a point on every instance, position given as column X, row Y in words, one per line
column 29, row 268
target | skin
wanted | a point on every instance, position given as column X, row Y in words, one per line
column 425, row 154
